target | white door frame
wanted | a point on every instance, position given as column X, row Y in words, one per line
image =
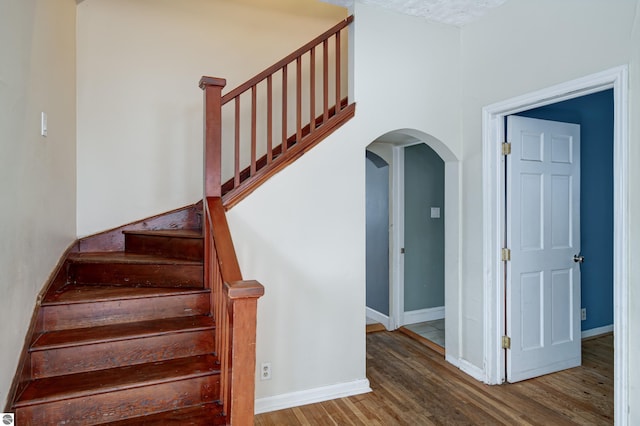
column 493, row 220
column 396, row 295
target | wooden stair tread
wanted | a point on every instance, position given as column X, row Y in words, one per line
column 90, row 293
column 128, row 258
column 124, row 331
column 78, row 385
column 174, row 233
column 200, row 415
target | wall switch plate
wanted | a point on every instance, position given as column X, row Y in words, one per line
column 583, row 314
column 43, row 124
column 435, row 212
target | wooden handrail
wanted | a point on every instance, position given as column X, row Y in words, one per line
column 234, row 308
column 224, row 244
column 286, row 60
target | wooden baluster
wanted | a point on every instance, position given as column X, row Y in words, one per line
column 298, row 99
column 325, row 79
column 269, row 119
column 253, row 129
column 338, row 99
column 225, row 379
column 209, row 252
column 217, row 290
column 284, row 110
column 312, row 90
column 236, row 145
column 212, row 88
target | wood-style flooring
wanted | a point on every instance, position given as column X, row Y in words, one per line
column 413, row 385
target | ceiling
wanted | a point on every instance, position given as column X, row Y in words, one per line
column 452, row 12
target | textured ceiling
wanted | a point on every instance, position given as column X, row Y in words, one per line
column 453, row 12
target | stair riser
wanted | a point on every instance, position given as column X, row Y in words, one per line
column 54, row 362
column 175, row 247
column 81, row 315
column 141, row 275
column 209, row 415
column 121, row 404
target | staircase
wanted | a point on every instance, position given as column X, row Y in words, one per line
column 153, row 323
column 127, row 339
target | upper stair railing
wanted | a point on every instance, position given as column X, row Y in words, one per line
column 276, row 116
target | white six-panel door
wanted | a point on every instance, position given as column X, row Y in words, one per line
column 543, row 234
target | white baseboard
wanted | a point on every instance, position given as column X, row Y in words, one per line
column 451, row 360
column 597, row 331
column 472, row 370
column 422, row 315
column 379, row 317
column 468, row 368
column 310, row 396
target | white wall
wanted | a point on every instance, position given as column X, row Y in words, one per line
column 302, row 234
column 521, row 47
column 139, row 105
column 37, row 174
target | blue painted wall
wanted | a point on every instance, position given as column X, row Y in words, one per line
column 423, row 235
column 594, row 114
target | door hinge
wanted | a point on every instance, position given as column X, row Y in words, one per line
column 506, row 148
column 506, row 255
column 506, row 342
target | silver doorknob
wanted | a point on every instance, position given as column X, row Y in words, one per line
column 578, row 258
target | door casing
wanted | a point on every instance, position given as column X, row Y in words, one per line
column 494, row 211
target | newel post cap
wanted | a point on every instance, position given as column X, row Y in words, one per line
column 249, row 289
column 211, row 81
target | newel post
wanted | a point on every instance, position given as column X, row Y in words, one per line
column 243, row 297
column 212, row 88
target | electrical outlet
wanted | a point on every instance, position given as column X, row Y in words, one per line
column 583, row 314
column 265, row 371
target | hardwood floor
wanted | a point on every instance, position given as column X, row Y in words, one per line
column 413, row 385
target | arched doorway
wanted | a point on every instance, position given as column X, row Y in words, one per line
column 393, row 148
